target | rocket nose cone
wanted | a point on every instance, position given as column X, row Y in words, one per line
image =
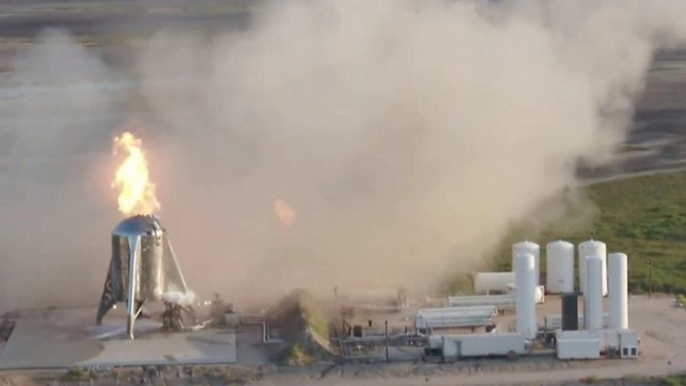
column 137, row 225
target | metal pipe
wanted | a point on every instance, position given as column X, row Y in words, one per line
column 134, row 247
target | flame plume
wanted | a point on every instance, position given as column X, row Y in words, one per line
column 284, row 212
column 136, row 192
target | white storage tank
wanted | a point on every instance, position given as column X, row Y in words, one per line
column 619, row 291
column 526, row 295
column 524, row 247
column 592, row 248
column 560, row 271
column 593, row 296
column 539, row 293
column 487, row 282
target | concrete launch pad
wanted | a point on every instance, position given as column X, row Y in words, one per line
column 68, row 337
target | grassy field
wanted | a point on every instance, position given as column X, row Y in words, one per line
column 644, row 217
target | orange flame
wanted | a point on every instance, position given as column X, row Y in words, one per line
column 284, row 212
column 136, row 192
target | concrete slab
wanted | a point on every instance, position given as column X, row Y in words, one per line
column 34, row 345
column 203, row 347
column 68, row 337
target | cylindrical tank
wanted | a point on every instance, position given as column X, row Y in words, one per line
column 593, row 296
column 492, row 310
column 619, row 291
column 570, row 312
column 525, row 296
column 487, row 282
column 560, row 267
column 592, row 248
column 150, row 280
column 529, row 247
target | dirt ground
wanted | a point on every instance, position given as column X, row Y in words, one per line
column 659, row 323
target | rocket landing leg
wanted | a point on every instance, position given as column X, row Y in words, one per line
column 131, row 311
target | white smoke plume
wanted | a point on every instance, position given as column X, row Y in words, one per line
column 405, row 136
column 180, row 298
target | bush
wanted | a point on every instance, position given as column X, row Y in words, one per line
column 674, row 380
column 76, row 374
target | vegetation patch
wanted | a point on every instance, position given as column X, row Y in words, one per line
column 591, row 380
column 304, row 325
column 644, row 217
column 76, row 374
column 674, row 380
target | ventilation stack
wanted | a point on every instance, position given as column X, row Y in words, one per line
column 526, row 294
column 593, row 296
column 619, row 291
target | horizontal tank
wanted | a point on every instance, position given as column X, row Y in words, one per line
column 501, row 301
column 440, row 321
column 529, row 247
column 560, row 267
column 487, row 282
column 592, row 248
column 492, row 310
column 539, row 293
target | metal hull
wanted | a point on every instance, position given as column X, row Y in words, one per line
column 143, row 267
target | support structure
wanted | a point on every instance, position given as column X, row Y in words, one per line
column 131, row 312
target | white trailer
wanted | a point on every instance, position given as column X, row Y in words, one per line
column 579, row 344
column 479, row 345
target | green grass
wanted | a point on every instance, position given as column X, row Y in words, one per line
column 674, row 380
column 644, row 217
column 314, row 316
column 296, row 355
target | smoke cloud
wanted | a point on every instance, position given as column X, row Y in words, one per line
column 403, row 137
